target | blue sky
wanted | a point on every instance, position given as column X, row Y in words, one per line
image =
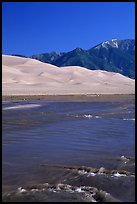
column 39, row 27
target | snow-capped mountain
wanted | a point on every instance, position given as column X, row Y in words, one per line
column 107, row 44
column 111, row 55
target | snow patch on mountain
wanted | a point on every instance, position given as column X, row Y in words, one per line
column 106, row 44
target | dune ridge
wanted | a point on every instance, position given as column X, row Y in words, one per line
column 25, row 76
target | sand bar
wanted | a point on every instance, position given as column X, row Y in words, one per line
column 22, row 106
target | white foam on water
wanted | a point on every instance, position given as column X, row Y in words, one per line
column 88, row 116
column 79, row 190
column 97, row 116
column 122, row 156
column 21, row 190
column 91, row 174
column 34, row 190
column 128, row 118
column 87, row 191
column 22, row 106
column 77, row 116
column 118, row 175
column 82, row 172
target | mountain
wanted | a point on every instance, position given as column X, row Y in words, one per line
column 17, row 55
column 112, row 55
column 48, row 57
column 116, row 56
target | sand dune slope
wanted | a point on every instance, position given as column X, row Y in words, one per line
column 25, row 76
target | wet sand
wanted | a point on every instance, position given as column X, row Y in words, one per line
column 77, row 97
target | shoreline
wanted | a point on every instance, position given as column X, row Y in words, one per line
column 76, row 97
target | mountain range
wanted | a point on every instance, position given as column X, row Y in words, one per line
column 112, row 55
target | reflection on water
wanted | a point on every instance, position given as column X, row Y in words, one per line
column 39, row 136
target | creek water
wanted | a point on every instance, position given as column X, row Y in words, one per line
column 60, row 147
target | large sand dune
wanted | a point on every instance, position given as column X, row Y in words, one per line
column 25, row 76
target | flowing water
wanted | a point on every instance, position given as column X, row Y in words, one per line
column 75, row 151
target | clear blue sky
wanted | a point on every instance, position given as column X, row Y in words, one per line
column 38, row 27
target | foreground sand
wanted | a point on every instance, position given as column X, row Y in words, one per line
column 25, row 77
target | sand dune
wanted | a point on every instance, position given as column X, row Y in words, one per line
column 25, row 76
